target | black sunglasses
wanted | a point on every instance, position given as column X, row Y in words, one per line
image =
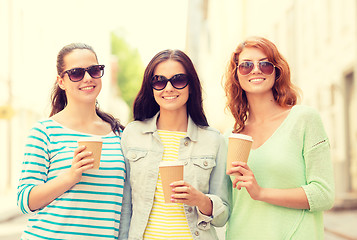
column 178, row 81
column 77, row 74
column 247, row 67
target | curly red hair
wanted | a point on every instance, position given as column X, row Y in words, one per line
column 284, row 92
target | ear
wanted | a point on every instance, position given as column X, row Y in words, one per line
column 60, row 82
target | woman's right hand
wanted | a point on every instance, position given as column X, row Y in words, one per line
column 246, row 179
column 42, row 194
column 79, row 164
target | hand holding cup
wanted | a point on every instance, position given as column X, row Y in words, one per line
column 94, row 146
column 170, row 172
column 239, row 146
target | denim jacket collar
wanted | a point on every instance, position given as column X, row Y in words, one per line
column 192, row 128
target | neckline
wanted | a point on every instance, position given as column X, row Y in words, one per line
column 78, row 132
column 276, row 130
column 171, row 131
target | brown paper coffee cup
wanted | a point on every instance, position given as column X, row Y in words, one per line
column 170, row 172
column 239, row 146
column 94, row 146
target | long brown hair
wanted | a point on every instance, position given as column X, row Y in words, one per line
column 59, row 98
column 145, row 105
column 284, row 92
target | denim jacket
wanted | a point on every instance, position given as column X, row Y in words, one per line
column 203, row 152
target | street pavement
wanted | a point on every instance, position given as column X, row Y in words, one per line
column 339, row 225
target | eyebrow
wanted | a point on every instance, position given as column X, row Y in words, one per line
column 247, row 59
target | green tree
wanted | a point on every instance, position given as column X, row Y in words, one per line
column 130, row 68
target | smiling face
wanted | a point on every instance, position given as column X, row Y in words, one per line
column 170, row 98
column 256, row 81
column 86, row 90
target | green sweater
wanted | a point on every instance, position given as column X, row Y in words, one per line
column 296, row 155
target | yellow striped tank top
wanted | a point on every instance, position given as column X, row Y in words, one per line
column 167, row 220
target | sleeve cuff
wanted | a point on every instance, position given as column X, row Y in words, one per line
column 203, row 221
column 25, row 200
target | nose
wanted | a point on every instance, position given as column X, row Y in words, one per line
column 86, row 77
column 256, row 68
column 169, row 87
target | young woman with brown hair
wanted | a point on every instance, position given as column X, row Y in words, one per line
column 69, row 199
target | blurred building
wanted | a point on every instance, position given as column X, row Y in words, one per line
column 32, row 34
column 318, row 38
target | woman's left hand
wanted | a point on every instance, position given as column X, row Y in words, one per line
column 183, row 192
column 247, row 180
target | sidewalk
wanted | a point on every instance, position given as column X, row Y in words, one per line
column 339, row 224
column 8, row 207
column 12, row 221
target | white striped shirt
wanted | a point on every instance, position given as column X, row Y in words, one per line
column 89, row 210
column 167, row 220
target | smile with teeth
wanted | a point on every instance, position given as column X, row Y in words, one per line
column 87, row 88
column 257, row 80
column 170, row 97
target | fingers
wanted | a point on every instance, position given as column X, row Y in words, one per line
column 179, row 196
column 82, row 159
column 81, row 155
column 86, row 167
column 241, row 164
column 238, row 167
column 179, row 183
column 181, row 192
column 79, row 149
column 185, row 189
column 83, row 164
column 239, row 171
column 181, row 187
column 234, row 170
column 238, row 179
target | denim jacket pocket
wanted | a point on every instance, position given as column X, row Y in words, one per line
column 204, row 162
column 134, row 155
column 203, row 166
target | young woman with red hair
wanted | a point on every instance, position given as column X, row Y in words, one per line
column 286, row 185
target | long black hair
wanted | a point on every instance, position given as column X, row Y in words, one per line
column 59, row 98
column 145, row 105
